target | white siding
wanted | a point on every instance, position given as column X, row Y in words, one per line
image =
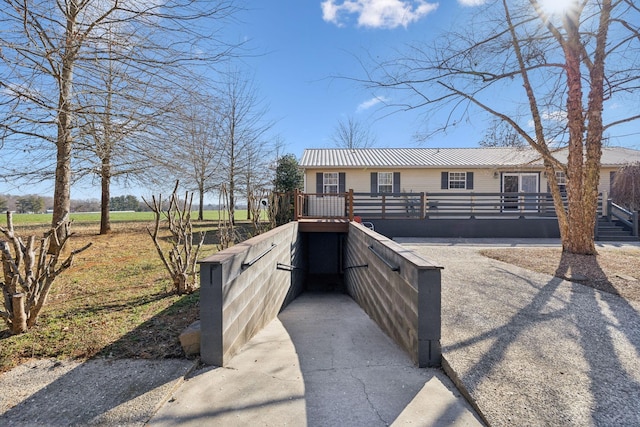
column 428, row 180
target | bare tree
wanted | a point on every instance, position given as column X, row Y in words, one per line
column 257, row 177
column 556, row 62
column 29, row 272
column 501, row 134
column 48, row 46
column 243, row 125
column 195, row 154
column 351, row 133
column 121, row 118
column 181, row 259
column 625, row 188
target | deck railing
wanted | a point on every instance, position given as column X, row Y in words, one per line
column 628, row 218
column 425, row 205
column 323, row 205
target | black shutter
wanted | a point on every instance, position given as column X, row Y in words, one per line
column 469, row 180
column 342, row 178
column 319, row 183
column 444, row 181
column 396, row 182
column 374, row 182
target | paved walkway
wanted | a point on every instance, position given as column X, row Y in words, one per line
column 322, row 363
column 531, row 349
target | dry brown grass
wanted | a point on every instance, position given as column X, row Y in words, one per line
column 116, row 301
column 614, row 270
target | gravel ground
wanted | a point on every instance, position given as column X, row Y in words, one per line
column 613, row 270
column 532, row 349
column 124, row 392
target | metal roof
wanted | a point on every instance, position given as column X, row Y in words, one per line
column 478, row 157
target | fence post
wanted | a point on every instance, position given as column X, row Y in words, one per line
column 384, row 207
column 350, row 201
column 472, row 201
column 296, row 214
column 423, row 208
column 634, row 218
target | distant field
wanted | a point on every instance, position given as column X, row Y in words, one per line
column 94, row 217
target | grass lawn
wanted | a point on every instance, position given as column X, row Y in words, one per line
column 115, row 301
column 116, row 217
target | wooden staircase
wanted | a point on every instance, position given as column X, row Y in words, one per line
column 614, row 231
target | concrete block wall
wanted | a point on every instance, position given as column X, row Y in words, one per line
column 404, row 303
column 237, row 299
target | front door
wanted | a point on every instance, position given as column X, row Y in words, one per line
column 525, row 183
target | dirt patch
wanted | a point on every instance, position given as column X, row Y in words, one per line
column 613, row 270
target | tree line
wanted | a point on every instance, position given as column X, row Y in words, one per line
column 33, row 203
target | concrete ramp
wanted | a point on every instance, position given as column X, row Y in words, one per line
column 322, row 362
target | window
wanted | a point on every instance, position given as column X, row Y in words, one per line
column 458, row 180
column 385, row 182
column 330, row 183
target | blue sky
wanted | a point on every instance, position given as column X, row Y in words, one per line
column 306, row 43
column 305, row 48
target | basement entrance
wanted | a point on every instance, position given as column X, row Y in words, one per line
column 324, row 253
column 245, row 287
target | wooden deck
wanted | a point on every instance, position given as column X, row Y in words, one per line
column 323, row 225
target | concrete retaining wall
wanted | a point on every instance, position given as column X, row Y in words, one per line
column 405, row 303
column 242, row 290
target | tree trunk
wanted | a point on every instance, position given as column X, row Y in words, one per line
column 105, row 202
column 19, row 324
column 581, row 209
column 201, row 208
column 64, row 141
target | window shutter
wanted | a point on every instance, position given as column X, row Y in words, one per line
column 374, row 182
column 444, row 181
column 396, row 182
column 469, row 180
column 342, row 178
column 319, row 183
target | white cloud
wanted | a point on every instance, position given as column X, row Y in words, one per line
column 551, row 116
column 377, row 13
column 557, row 116
column 371, row 103
column 472, row 2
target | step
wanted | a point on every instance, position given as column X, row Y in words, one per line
column 617, row 238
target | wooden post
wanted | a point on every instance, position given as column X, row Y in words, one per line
column 296, row 215
column 350, row 201
column 605, row 204
column 473, row 205
column 384, row 208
